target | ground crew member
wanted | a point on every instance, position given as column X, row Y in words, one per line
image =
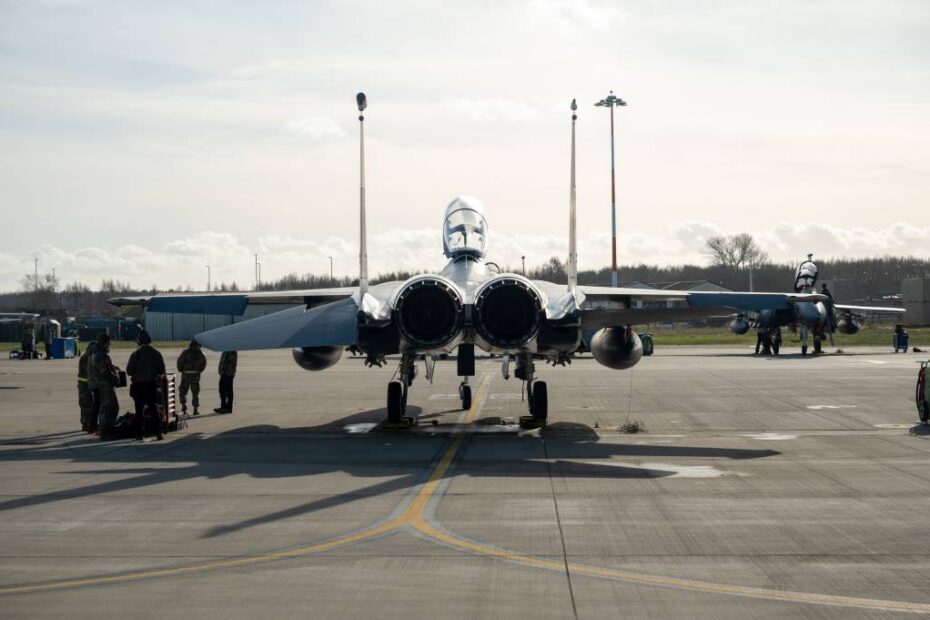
column 760, row 338
column 106, row 378
column 191, row 363
column 227, row 370
column 29, row 344
column 85, row 397
column 146, row 367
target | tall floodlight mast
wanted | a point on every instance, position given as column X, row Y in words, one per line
column 362, row 101
column 610, row 101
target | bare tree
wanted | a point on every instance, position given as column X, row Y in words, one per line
column 735, row 251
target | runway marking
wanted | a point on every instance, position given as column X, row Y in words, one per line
column 417, row 515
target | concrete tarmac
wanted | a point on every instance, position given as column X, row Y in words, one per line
column 762, row 488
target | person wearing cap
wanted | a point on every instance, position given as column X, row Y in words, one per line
column 146, row 365
column 191, row 363
column 85, row 396
column 105, row 378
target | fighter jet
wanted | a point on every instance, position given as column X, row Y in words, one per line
column 817, row 319
column 469, row 303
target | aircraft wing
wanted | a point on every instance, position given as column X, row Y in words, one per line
column 17, row 317
column 332, row 324
column 232, row 303
column 843, row 308
column 697, row 304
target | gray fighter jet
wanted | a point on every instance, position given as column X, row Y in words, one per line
column 812, row 319
column 469, row 304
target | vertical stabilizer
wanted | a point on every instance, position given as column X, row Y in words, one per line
column 362, row 102
column 572, row 267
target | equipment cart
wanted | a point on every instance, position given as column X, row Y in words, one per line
column 900, row 339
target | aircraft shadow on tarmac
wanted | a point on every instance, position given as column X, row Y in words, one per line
column 267, row 451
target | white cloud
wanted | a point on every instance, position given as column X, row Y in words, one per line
column 183, row 262
column 316, row 128
column 490, row 110
column 584, row 13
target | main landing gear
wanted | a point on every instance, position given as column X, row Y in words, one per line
column 397, row 394
column 537, row 393
column 465, row 366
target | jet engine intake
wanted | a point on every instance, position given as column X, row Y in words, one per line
column 848, row 325
column 428, row 311
column 508, row 311
column 617, row 347
column 316, row 358
column 739, row 326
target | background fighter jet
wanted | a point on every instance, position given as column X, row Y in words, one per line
column 819, row 319
column 468, row 304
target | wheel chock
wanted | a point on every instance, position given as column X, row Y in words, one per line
column 528, row 421
column 404, row 423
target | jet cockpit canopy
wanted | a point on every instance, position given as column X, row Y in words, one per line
column 806, row 277
column 465, row 230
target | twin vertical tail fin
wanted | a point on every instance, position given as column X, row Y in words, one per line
column 362, row 102
column 572, row 267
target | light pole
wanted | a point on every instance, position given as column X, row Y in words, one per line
column 523, row 260
column 611, row 102
column 208, row 278
column 256, row 272
column 330, row 268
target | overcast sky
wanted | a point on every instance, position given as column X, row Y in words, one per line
column 144, row 140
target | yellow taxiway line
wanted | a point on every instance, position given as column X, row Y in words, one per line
column 415, row 516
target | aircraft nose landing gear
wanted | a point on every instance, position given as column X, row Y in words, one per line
column 537, row 394
column 397, row 395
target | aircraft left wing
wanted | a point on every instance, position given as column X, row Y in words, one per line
column 232, row 303
column 698, row 304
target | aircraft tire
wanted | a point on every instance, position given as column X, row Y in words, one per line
column 776, row 347
column 540, row 400
column 804, row 350
column 395, row 402
column 818, row 346
column 466, row 397
column 925, row 412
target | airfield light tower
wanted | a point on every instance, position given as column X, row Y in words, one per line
column 208, row 278
column 330, row 268
column 611, row 101
column 362, row 102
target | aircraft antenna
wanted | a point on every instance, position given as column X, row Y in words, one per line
column 362, row 102
column 572, row 267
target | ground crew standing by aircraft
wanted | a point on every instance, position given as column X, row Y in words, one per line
column 191, row 363
column 29, row 344
column 106, row 378
column 85, row 396
column 227, row 370
column 146, row 365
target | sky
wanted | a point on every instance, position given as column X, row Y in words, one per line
column 143, row 141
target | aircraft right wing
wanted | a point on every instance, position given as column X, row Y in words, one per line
column 332, row 324
column 232, row 303
column 844, row 309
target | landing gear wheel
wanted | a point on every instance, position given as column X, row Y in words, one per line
column 540, row 401
column 465, row 393
column 818, row 346
column 776, row 346
column 539, row 406
column 924, row 412
column 395, row 403
column 803, row 350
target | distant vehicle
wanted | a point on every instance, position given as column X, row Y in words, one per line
column 814, row 320
column 467, row 304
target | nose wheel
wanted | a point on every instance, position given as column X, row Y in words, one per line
column 465, row 396
column 397, row 395
column 537, row 394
